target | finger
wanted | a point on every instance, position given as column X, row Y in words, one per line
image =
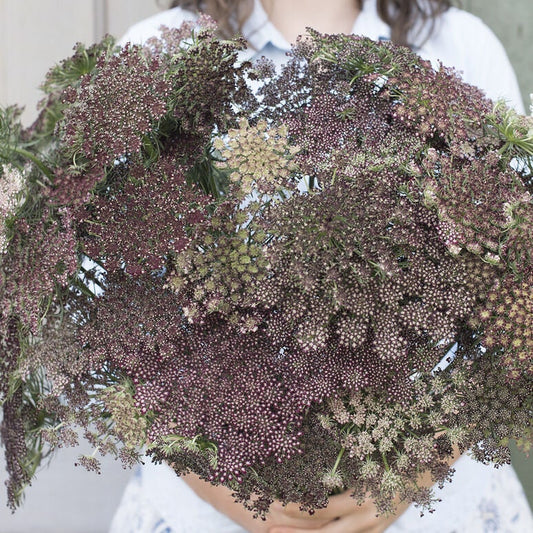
column 338, row 505
column 332, row 527
column 292, row 511
column 336, row 526
column 358, row 522
column 292, row 530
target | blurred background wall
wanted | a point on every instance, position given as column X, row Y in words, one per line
column 34, row 34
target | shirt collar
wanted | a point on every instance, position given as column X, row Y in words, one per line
column 259, row 31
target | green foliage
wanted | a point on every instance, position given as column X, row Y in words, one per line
column 516, row 132
column 173, row 444
column 69, row 71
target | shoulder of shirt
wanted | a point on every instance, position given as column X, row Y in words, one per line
column 465, row 26
column 149, row 27
column 472, row 47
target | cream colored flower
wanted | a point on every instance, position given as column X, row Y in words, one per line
column 11, row 185
column 259, row 157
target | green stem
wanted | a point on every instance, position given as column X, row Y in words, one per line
column 59, row 426
column 334, row 176
column 40, row 165
column 338, row 461
column 92, row 279
column 80, row 285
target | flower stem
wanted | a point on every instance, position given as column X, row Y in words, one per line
column 338, row 461
column 34, row 159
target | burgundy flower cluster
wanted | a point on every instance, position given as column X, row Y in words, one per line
column 321, row 288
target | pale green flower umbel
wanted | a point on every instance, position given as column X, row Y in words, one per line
column 11, row 184
column 259, row 156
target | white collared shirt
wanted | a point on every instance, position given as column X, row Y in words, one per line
column 459, row 39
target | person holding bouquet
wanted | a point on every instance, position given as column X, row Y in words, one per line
column 479, row 497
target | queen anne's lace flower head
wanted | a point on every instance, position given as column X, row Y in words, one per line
column 11, row 197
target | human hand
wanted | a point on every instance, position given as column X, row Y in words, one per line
column 221, row 498
column 342, row 515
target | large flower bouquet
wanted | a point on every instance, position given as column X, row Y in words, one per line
column 323, row 284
